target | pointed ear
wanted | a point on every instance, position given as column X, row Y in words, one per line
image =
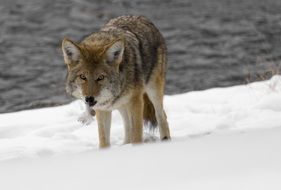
column 115, row 52
column 71, row 51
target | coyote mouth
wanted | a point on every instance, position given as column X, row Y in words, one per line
column 90, row 110
column 92, row 104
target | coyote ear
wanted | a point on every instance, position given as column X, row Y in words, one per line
column 71, row 51
column 115, row 52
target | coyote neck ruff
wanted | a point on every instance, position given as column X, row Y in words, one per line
column 120, row 67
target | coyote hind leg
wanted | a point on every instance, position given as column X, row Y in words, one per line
column 155, row 92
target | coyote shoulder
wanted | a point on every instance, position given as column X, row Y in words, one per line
column 120, row 67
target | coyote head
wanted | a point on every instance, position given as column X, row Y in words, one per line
column 93, row 68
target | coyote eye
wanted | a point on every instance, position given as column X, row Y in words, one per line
column 82, row 77
column 101, row 77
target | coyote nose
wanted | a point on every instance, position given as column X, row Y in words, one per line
column 90, row 100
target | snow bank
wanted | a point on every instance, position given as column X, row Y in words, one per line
column 55, row 131
column 218, row 161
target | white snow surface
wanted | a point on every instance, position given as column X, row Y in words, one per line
column 222, row 138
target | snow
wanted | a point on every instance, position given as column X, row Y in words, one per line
column 222, row 138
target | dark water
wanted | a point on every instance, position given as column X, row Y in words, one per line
column 211, row 43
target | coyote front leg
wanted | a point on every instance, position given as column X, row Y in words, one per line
column 127, row 124
column 135, row 113
column 104, row 122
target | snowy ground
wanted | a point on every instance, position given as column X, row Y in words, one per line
column 224, row 138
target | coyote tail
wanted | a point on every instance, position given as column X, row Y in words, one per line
column 149, row 113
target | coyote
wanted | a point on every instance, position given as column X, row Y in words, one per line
column 121, row 67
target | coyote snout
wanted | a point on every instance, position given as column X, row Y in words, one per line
column 121, row 67
column 90, row 100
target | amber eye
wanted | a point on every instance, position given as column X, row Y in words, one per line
column 101, row 77
column 82, row 77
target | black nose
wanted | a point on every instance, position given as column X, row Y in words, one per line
column 90, row 100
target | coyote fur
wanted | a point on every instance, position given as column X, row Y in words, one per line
column 121, row 67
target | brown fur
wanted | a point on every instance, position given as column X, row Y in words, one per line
column 123, row 67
